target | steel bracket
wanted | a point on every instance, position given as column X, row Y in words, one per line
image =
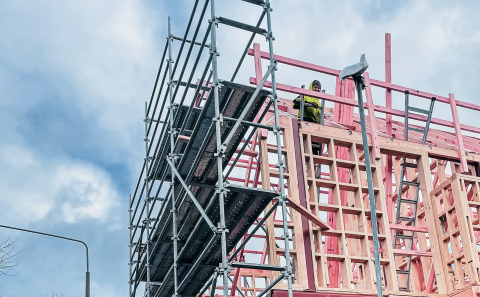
column 147, row 221
column 219, row 230
column 223, row 191
column 219, row 118
column 172, row 157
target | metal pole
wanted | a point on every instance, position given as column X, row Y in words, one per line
column 146, row 222
column 205, row 287
column 378, row 273
column 280, row 165
column 130, row 247
column 219, row 121
column 258, row 226
column 322, row 109
column 87, row 274
column 214, row 284
column 172, row 158
column 272, row 284
column 245, row 109
column 302, row 105
column 194, row 200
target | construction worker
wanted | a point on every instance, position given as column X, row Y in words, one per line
column 311, row 113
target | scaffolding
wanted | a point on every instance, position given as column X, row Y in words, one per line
column 317, row 218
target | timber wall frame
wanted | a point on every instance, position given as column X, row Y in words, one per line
column 320, row 242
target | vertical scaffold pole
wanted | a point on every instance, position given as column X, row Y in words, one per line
column 359, row 83
column 218, row 122
column 280, row 165
column 173, row 158
column 130, row 245
column 146, row 222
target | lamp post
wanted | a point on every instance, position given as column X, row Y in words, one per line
column 87, row 274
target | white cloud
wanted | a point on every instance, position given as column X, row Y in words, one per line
column 86, row 192
column 60, row 189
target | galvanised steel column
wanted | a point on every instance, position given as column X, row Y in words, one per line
column 172, row 158
column 360, row 85
column 130, row 246
column 220, row 150
column 280, row 165
column 146, row 222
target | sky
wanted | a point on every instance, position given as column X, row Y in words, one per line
column 74, row 76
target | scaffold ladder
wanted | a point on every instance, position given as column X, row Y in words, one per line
column 428, row 113
column 401, row 237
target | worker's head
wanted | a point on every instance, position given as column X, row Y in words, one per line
column 316, row 86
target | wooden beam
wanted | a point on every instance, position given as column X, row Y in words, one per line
column 351, row 102
column 434, row 229
column 371, row 117
column 458, row 132
column 310, row 216
column 411, row 253
column 378, row 83
column 387, row 145
column 408, row 228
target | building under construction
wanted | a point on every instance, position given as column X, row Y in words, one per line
column 238, row 196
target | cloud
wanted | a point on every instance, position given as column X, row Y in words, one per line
column 74, row 76
column 34, row 188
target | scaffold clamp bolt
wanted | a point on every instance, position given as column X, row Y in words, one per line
column 223, row 148
column 220, row 230
column 222, row 191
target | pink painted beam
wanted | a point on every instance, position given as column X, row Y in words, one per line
column 388, row 79
column 456, row 126
column 408, row 228
column 389, row 126
column 424, row 118
column 374, row 82
column 300, row 91
column 411, row 253
column 258, row 61
column 431, row 280
column 371, row 117
column 351, row 102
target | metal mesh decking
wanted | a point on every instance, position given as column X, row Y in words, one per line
column 198, row 168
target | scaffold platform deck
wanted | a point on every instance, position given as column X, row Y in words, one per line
column 198, row 167
column 198, row 153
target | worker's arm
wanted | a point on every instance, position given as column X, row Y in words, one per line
column 296, row 103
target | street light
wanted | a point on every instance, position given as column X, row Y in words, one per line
column 87, row 275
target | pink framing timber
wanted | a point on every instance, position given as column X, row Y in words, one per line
column 388, row 110
column 344, row 114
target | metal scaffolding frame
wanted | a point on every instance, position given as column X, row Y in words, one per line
column 189, row 225
column 143, row 222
